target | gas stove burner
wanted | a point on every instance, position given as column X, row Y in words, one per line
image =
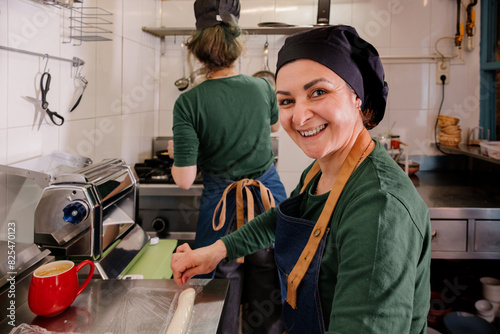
column 154, row 171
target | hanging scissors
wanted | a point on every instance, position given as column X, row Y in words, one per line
column 44, row 88
column 43, row 104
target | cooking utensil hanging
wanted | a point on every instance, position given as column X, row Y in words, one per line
column 80, row 89
column 197, row 76
column 266, row 72
column 183, row 82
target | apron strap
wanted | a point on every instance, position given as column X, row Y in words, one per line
column 299, row 270
column 242, row 185
column 312, row 172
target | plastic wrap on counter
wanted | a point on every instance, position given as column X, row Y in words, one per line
column 145, row 310
column 33, row 329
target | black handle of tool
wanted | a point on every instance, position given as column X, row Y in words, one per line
column 44, row 88
column 53, row 114
column 77, row 103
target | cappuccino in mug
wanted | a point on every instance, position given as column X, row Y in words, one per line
column 53, row 269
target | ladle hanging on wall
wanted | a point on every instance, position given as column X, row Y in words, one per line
column 266, row 72
column 183, row 82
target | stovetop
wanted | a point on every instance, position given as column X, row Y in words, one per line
column 156, row 171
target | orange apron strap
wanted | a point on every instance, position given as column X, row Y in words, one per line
column 240, row 205
column 222, row 217
column 299, row 270
column 240, row 208
column 243, row 184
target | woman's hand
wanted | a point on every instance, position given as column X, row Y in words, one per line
column 187, row 263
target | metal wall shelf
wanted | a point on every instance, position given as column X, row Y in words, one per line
column 285, row 30
column 470, row 151
column 87, row 24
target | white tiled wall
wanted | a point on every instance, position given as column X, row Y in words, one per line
column 131, row 92
column 122, row 81
column 395, row 28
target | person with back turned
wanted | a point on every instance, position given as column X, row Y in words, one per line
column 223, row 126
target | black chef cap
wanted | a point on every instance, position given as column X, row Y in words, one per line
column 342, row 50
column 210, row 13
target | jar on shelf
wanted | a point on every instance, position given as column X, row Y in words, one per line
column 395, row 142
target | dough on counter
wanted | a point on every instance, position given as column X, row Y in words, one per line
column 180, row 320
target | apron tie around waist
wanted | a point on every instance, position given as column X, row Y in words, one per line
column 242, row 185
column 299, row 270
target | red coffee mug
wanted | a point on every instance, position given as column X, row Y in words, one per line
column 54, row 287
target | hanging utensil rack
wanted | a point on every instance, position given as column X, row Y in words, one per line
column 76, row 61
column 87, row 24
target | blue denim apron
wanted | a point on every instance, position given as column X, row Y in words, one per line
column 256, row 280
column 299, row 248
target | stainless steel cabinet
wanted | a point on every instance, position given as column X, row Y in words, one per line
column 465, row 233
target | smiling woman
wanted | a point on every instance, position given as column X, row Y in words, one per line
column 352, row 243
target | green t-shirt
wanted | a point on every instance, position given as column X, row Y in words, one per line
column 375, row 270
column 224, row 126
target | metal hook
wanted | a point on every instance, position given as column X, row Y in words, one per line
column 46, row 62
column 78, row 71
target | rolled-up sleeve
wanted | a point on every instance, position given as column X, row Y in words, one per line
column 186, row 140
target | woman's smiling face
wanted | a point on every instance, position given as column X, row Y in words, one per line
column 318, row 110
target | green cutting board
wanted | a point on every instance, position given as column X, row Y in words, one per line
column 154, row 262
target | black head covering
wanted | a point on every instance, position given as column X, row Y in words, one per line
column 210, row 13
column 342, row 50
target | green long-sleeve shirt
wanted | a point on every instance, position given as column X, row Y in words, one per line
column 375, row 270
column 224, row 126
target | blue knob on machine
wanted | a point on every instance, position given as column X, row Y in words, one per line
column 75, row 213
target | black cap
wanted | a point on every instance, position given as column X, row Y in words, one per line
column 342, row 50
column 210, row 13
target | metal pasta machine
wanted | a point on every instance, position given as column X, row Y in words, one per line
column 90, row 214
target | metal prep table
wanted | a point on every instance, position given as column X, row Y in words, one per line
column 131, row 306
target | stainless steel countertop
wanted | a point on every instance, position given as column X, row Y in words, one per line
column 131, row 306
column 456, row 190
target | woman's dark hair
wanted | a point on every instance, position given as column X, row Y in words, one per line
column 367, row 114
column 216, row 47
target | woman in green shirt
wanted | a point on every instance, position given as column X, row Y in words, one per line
column 352, row 244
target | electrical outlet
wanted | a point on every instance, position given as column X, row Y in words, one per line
column 442, row 68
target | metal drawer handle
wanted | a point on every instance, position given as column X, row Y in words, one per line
column 433, row 234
